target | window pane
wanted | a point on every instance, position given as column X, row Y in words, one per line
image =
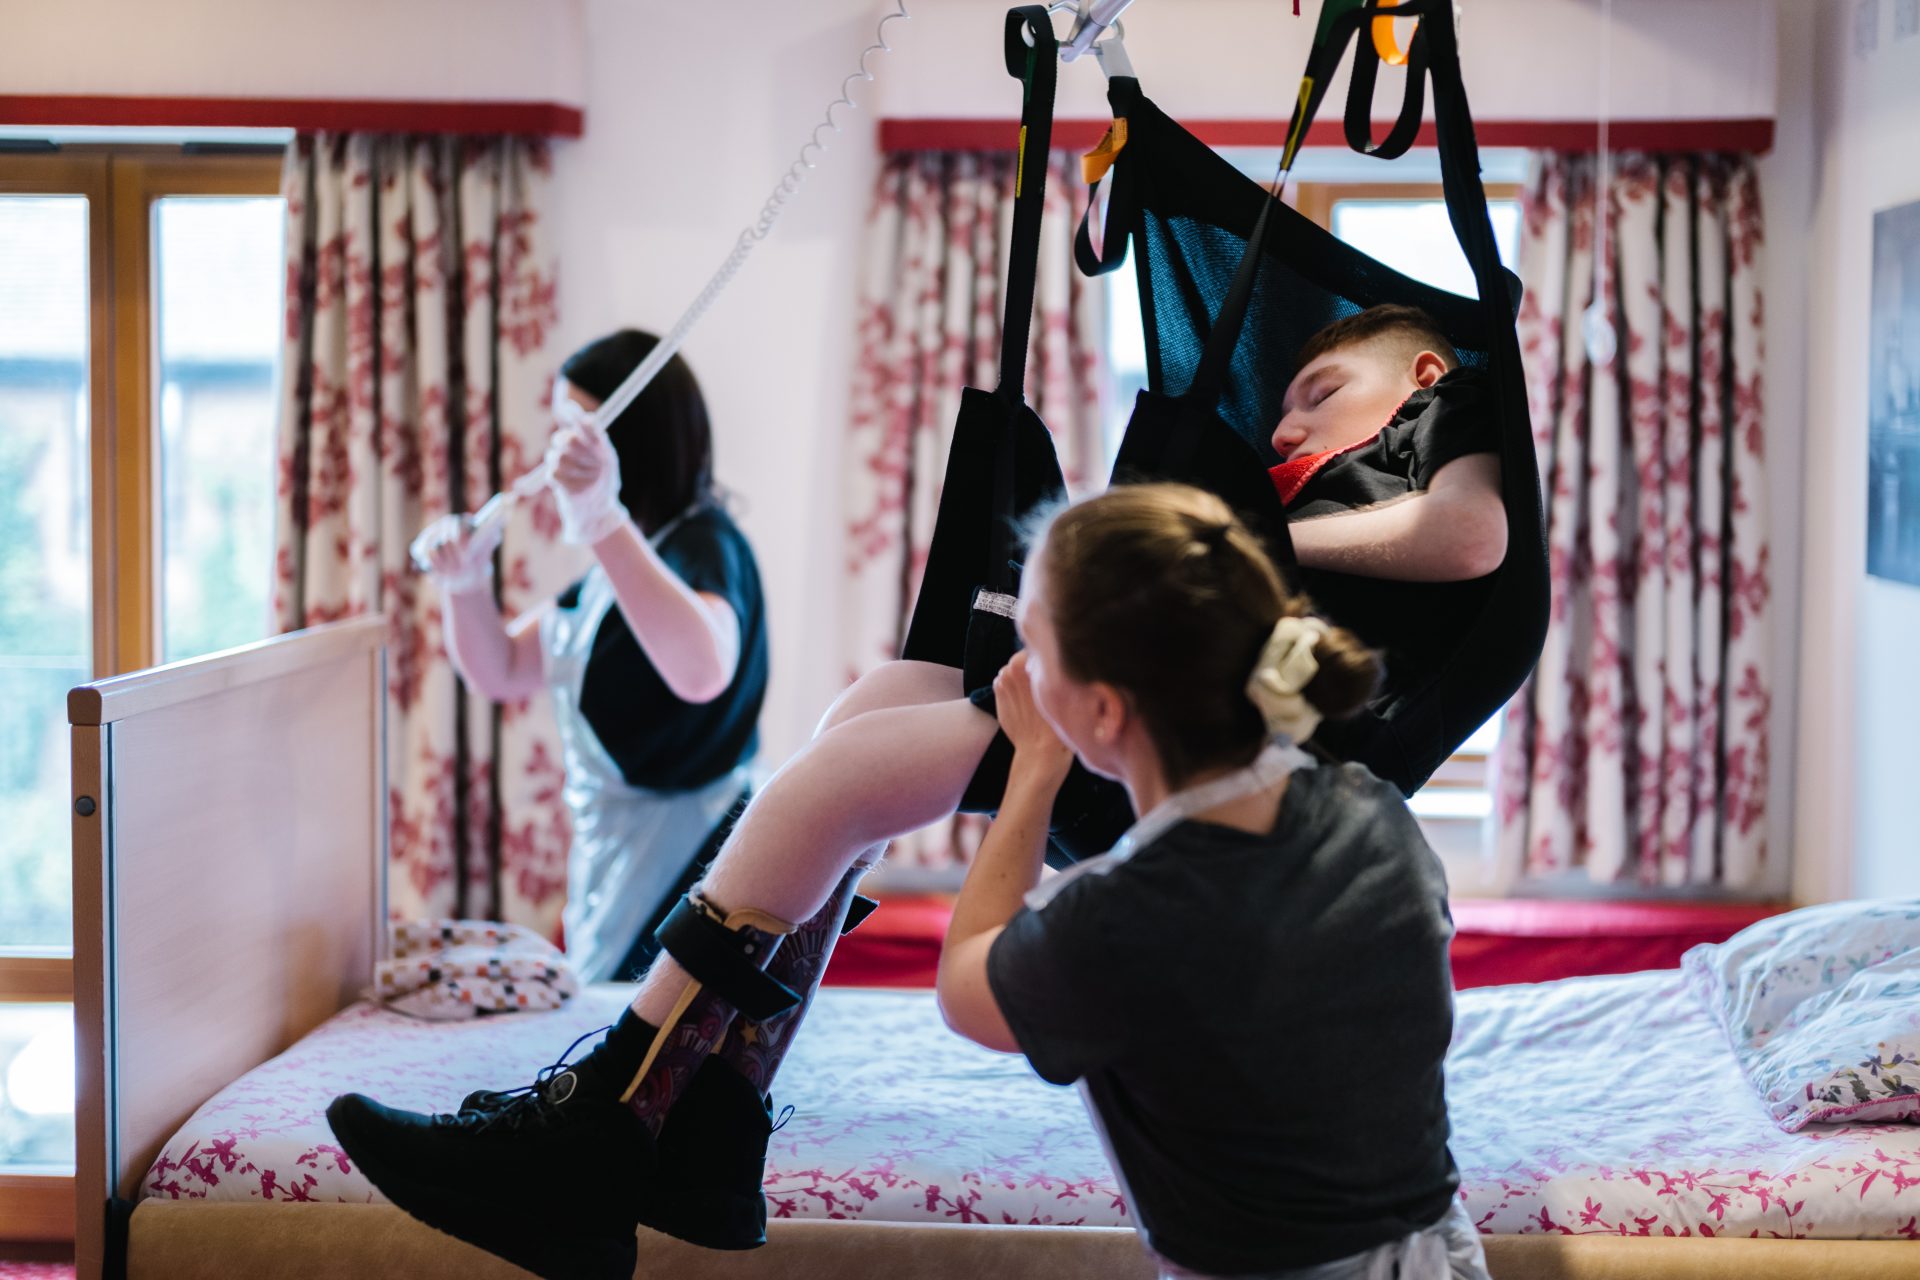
column 1487, row 736
column 1475, row 803
column 1126, row 353
column 36, row 1088
column 45, row 572
column 1415, row 238
column 217, row 284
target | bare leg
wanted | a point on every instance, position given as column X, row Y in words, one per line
column 756, row 1049
column 881, row 773
column 902, row 683
column 895, row 684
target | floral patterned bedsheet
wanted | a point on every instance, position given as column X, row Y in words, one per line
column 1615, row 1105
column 1588, row 1105
column 895, row 1117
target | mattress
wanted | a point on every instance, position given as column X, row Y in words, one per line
column 895, row 1117
column 1604, row 1105
column 1615, row 1105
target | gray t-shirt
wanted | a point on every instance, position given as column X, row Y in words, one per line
column 1260, row 1022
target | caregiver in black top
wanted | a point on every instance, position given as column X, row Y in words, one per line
column 656, row 659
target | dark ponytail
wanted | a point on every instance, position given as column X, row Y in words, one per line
column 663, row 439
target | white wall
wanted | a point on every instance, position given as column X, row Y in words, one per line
column 477, row 50
column 1857, row 826
column 693, row 112
column 1241, row 59
column 1786, row 194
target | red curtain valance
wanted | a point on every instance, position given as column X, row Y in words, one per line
column 1754, row 136
column 307, row 115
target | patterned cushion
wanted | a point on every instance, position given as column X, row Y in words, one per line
column 446, row 970
column 1822, row 1009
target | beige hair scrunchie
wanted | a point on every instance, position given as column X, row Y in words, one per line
column 1285, row 668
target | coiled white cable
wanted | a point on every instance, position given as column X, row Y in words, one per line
column 533, row 481
column 770, row 212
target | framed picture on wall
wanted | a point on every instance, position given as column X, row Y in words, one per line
column 1893, row 398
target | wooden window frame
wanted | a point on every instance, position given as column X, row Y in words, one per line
column 1316, row 199
column 120, row 185
column 139, row 179
column 36, row 1208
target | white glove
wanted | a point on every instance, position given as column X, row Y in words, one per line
column 457, row 558
column 586, row 484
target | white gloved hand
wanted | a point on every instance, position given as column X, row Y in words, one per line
column 458, row 558
column 586, row 484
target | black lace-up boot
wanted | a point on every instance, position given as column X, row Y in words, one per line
column 555, row 1179
column 556, row 1176
column 712, row 1150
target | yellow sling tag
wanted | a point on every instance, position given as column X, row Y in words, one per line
column 1300, row 127
column 1095, row 164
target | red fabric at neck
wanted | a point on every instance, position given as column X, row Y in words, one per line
column 1289, row 478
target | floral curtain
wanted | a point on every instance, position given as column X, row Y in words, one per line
column 420, row 296
column 931, row 301
column 1638, row 751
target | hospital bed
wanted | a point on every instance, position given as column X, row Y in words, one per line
column 229, row 896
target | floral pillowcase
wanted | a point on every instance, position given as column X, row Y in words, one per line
column 1822, row 1008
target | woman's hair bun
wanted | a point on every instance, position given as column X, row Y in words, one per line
column 1349, row 676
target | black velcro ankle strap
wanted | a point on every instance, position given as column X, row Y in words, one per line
column 859, row 909
column 725, row 961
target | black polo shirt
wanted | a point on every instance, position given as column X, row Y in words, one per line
column 1408, row 622
column 659, row 740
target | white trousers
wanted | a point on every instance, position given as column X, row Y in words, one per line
column 1447, row 1250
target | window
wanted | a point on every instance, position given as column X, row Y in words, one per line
column 140, row 296
column 46, row 641
column 1406, row 227
column 217, row 263
column 1126, row 353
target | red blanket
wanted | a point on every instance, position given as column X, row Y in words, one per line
column 1497, row 941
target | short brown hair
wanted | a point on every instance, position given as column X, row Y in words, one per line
column 1409, row 329
column 1158, row 590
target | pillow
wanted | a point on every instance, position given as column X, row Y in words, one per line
column 445, row 970
column 1822, row 1009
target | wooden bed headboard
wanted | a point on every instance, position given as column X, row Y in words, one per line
column 229, row 855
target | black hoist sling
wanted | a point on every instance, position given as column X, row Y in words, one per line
column 1215, row 252
column 1001, row 465
column 1232, row 285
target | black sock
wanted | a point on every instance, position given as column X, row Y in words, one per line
column 616, row 1059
